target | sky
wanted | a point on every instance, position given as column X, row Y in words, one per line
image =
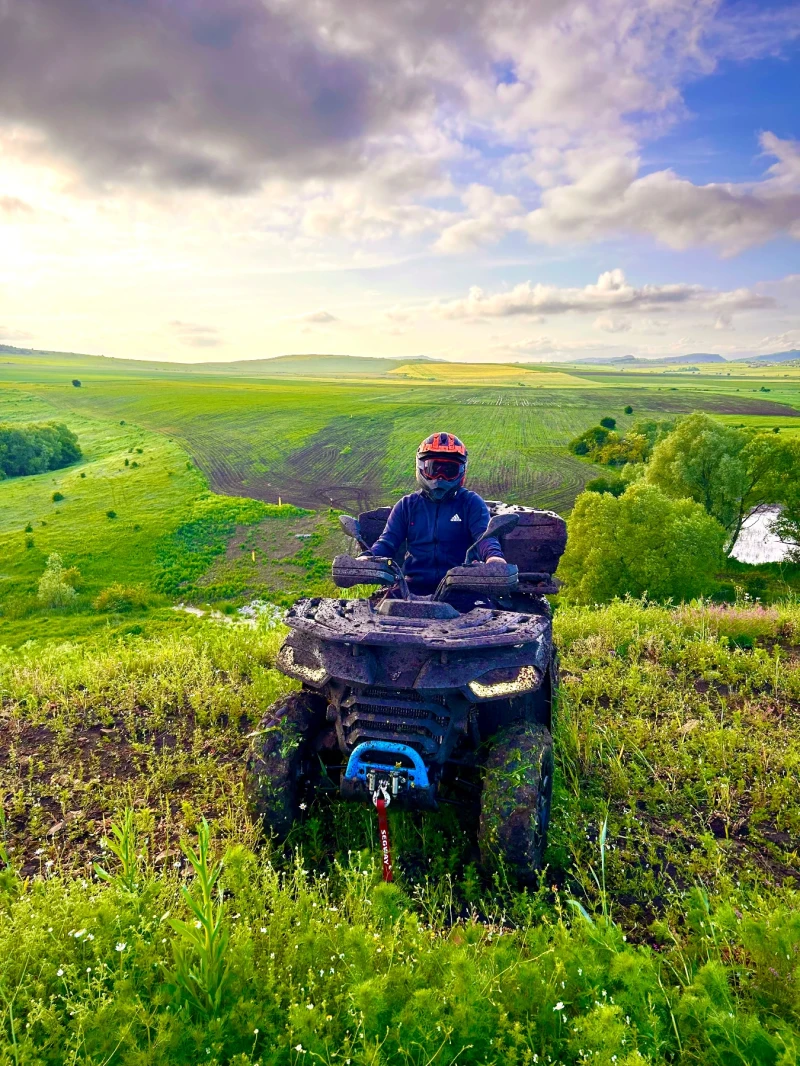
column 477, row 180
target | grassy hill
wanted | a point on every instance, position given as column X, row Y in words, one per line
column 666, row 929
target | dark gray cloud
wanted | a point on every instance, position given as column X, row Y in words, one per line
column 210, row 93
column 196, row 335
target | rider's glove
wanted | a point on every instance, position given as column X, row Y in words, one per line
column 494, row 559
column 365, row 555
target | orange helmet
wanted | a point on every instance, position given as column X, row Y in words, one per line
column 441, row 465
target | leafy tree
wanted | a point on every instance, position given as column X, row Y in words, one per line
column 637, row 543
column 589, row 441
column 628, row 410
column 608, row 422
column 54, row 589
column 615, row 485
column 76, row 383
column 731, row 472
column 36, row 448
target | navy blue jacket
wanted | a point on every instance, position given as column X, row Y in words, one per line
column 437, row 535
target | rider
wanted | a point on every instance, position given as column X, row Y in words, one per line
column 440, row 521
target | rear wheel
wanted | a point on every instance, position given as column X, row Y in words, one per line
column 515, row 802
column 281, row 762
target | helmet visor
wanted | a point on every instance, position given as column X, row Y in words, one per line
column 442, row 469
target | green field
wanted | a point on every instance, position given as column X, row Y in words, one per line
column 349, row 442
column 342, row 437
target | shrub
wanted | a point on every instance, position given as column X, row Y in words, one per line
column 36, row 448
column 57, row 497
column 72, row 577
column 29, row 542
column 54, row 590
column 83, row 473
column 641, row 542
column 628, row 410
column 615, row 485
column 119, row 597
column 608, row 422
column 29, row 528
column 602, row 445
column 76, row 383
column 111, row 514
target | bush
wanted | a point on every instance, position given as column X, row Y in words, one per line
column 641, row 542
column 76, row 383
column 629, row 410
column 602, row 445
column 111, row 514
column 57, row 497
column 119, row 597
column 615, row 485
column 608, row 423
column 36, row 448
column 54, row 590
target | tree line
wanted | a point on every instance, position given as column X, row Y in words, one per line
column 674, row 504
column 36, row 448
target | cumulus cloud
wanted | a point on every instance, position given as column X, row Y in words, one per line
column 609, row 324
column 446, row 123
column 610, row 293
column 196, row 335
column 318, row 318
column 13, row 207
column 489, row 217
column 610, row 198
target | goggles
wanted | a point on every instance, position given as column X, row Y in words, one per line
column 442, row 469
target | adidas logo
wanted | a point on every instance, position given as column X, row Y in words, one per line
column 455, row 518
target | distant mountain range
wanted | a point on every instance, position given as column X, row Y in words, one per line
column 693, row 359
column 775, row 357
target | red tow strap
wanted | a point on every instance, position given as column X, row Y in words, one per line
column 383, row 832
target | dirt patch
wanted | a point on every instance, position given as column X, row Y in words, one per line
column 62, row 790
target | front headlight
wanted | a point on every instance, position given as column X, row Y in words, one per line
column 505, row 682
column 286, row 661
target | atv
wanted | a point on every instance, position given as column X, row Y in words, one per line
column 408, row 699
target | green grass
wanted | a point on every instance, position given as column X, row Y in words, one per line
column 146, row 495
column 678, row 730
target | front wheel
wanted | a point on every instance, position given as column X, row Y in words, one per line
column 280, row 763
column 515, row 802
